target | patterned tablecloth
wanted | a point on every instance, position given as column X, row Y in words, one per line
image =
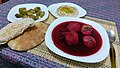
column 103, row 9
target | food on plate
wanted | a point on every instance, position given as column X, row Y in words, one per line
column 30, row 38
column 40, row 13
column 71, row 38
column 31, row 11
column 34, row 13
column 89, row 41
column 22, row 11
column 19, row 15
column 66, row 10
column 86, row 29
column 34, row 17
column 37, row 9
column 14, row 29
column 74, row 41
column 74, row 27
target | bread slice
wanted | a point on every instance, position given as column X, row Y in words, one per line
column 14, row 29
column 30, row 38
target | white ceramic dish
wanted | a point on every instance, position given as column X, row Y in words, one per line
column 97, row 57
column 52, row 8
column 11, row 15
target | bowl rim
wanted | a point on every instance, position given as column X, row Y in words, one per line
column 96, row 57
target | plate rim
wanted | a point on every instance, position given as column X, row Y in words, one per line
column 14, row 7
column 81, row 59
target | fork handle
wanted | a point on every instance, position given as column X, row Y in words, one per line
column 112, row 57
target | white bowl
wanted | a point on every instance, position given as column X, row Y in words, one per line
column 53, row 8
column 97, row 57
column 11, row 15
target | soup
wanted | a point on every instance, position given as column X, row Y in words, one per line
column 78, row 49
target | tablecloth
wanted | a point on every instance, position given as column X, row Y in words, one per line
column 103, row 9
column 43, row 51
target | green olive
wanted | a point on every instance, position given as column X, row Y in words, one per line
column 37, row 9
column 29, row 13
column 18, row 15
column 25, row 16
column 23, row 11
column 38, row 13
column 32, row 16
column 42, row 13
column 32, row 11
column 36, row 18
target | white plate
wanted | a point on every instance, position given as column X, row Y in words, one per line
column 53, row 8
column 11, row 15
column 97, row 57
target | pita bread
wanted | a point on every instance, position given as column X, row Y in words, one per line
column 14, row 29
column 30, row 38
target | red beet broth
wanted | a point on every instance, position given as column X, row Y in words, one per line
column 78, row 49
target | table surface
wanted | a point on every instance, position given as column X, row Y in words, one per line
column 102, row 9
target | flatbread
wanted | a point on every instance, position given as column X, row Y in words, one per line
column 14, row 29
column 30, row 38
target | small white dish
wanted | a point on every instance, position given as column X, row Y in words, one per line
column 97, row 57
column 11, row 15
column 53, row 8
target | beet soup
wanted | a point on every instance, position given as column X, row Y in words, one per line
column 78, row 49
